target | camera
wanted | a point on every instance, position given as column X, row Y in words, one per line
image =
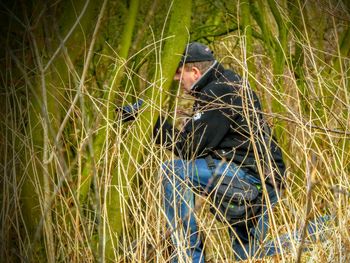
column 129, row 112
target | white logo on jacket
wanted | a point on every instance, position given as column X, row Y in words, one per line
column 197, row 116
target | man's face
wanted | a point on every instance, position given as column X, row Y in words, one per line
column 187, row 77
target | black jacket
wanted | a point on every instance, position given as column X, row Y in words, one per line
column 227, row 123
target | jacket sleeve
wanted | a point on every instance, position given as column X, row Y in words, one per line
column 202, row 133
column 206, row 129
column 163, row 132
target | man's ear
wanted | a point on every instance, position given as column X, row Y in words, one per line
column 197, row 73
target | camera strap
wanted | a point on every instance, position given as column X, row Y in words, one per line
column 211, row 164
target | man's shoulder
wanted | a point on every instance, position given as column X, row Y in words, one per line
column 217, row 90
column 230, row 76
column 227, row 81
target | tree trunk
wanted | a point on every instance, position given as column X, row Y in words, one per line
column 141, row 133
column 44, row 112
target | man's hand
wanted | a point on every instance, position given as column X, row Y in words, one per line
column 130, row 111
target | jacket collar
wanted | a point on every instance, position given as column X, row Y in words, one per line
column 213, row 73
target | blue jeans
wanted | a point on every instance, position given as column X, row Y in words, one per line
column 179, row 179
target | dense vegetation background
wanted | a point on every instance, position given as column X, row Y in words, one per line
column 79, row 185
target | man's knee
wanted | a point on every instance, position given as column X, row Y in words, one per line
column 174, row 168
column 174, row 174
column 168, row 173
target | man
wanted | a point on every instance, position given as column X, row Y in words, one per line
column 227, row 126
